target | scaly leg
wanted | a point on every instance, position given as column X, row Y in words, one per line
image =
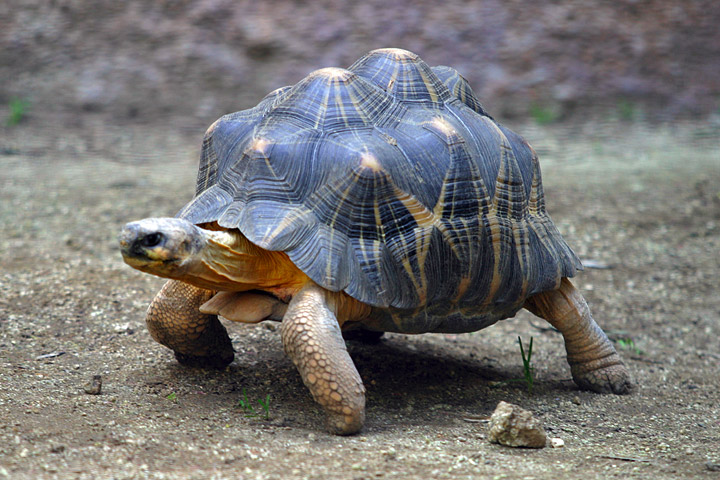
column 174, row 320
column 594, row 363
column 313, row 341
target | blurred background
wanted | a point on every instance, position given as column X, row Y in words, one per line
column 103, row 105
column 190, row 61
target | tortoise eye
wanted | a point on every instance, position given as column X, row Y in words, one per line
column 152, row 240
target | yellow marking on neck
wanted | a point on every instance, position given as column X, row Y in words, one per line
column 231, row 262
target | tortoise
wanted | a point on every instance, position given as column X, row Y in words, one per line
column 378, row 198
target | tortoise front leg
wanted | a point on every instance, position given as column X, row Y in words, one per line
column 594, row 363
column 174, row 320
column 312, row 339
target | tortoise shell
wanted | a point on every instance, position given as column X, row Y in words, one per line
column 387, row 181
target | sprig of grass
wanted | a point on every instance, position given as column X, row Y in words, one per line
column 246, row 405
column 528, row 368
column 629, row 344
column 265, row 404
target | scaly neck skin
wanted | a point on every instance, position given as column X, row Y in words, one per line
column 230, row 262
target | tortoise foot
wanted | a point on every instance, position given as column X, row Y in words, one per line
column 612, row 378
column 217, row 362
column 198, row 339
column 594, row 363
column 340, row 424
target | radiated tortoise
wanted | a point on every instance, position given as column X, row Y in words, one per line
column 380, row 198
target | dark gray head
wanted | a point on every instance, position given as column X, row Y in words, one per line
column 161, row 246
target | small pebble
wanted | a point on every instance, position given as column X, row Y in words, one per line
column 94, row 387
column 713, row 466
column 557, row 442
column 390, row 454
column 576, row 400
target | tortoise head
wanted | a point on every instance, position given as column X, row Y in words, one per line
column 161, row 246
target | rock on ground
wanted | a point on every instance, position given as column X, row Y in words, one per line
column 515, row 427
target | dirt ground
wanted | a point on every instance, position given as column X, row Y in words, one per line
column 642, row 200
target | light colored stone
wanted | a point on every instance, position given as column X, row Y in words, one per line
column 557, row 442
column 515, row 427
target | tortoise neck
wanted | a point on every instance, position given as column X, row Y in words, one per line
column 230, row 262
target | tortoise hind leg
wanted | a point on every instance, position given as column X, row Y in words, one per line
column 312, row 339
column 594, row 363
column 174, row 320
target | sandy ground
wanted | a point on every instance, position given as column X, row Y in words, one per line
column 644, row 201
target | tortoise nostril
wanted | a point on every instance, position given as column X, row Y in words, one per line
column 152, row 240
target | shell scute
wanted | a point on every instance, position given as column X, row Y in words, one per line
column 460, row 88
column 403, row 75
column 333, row 98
